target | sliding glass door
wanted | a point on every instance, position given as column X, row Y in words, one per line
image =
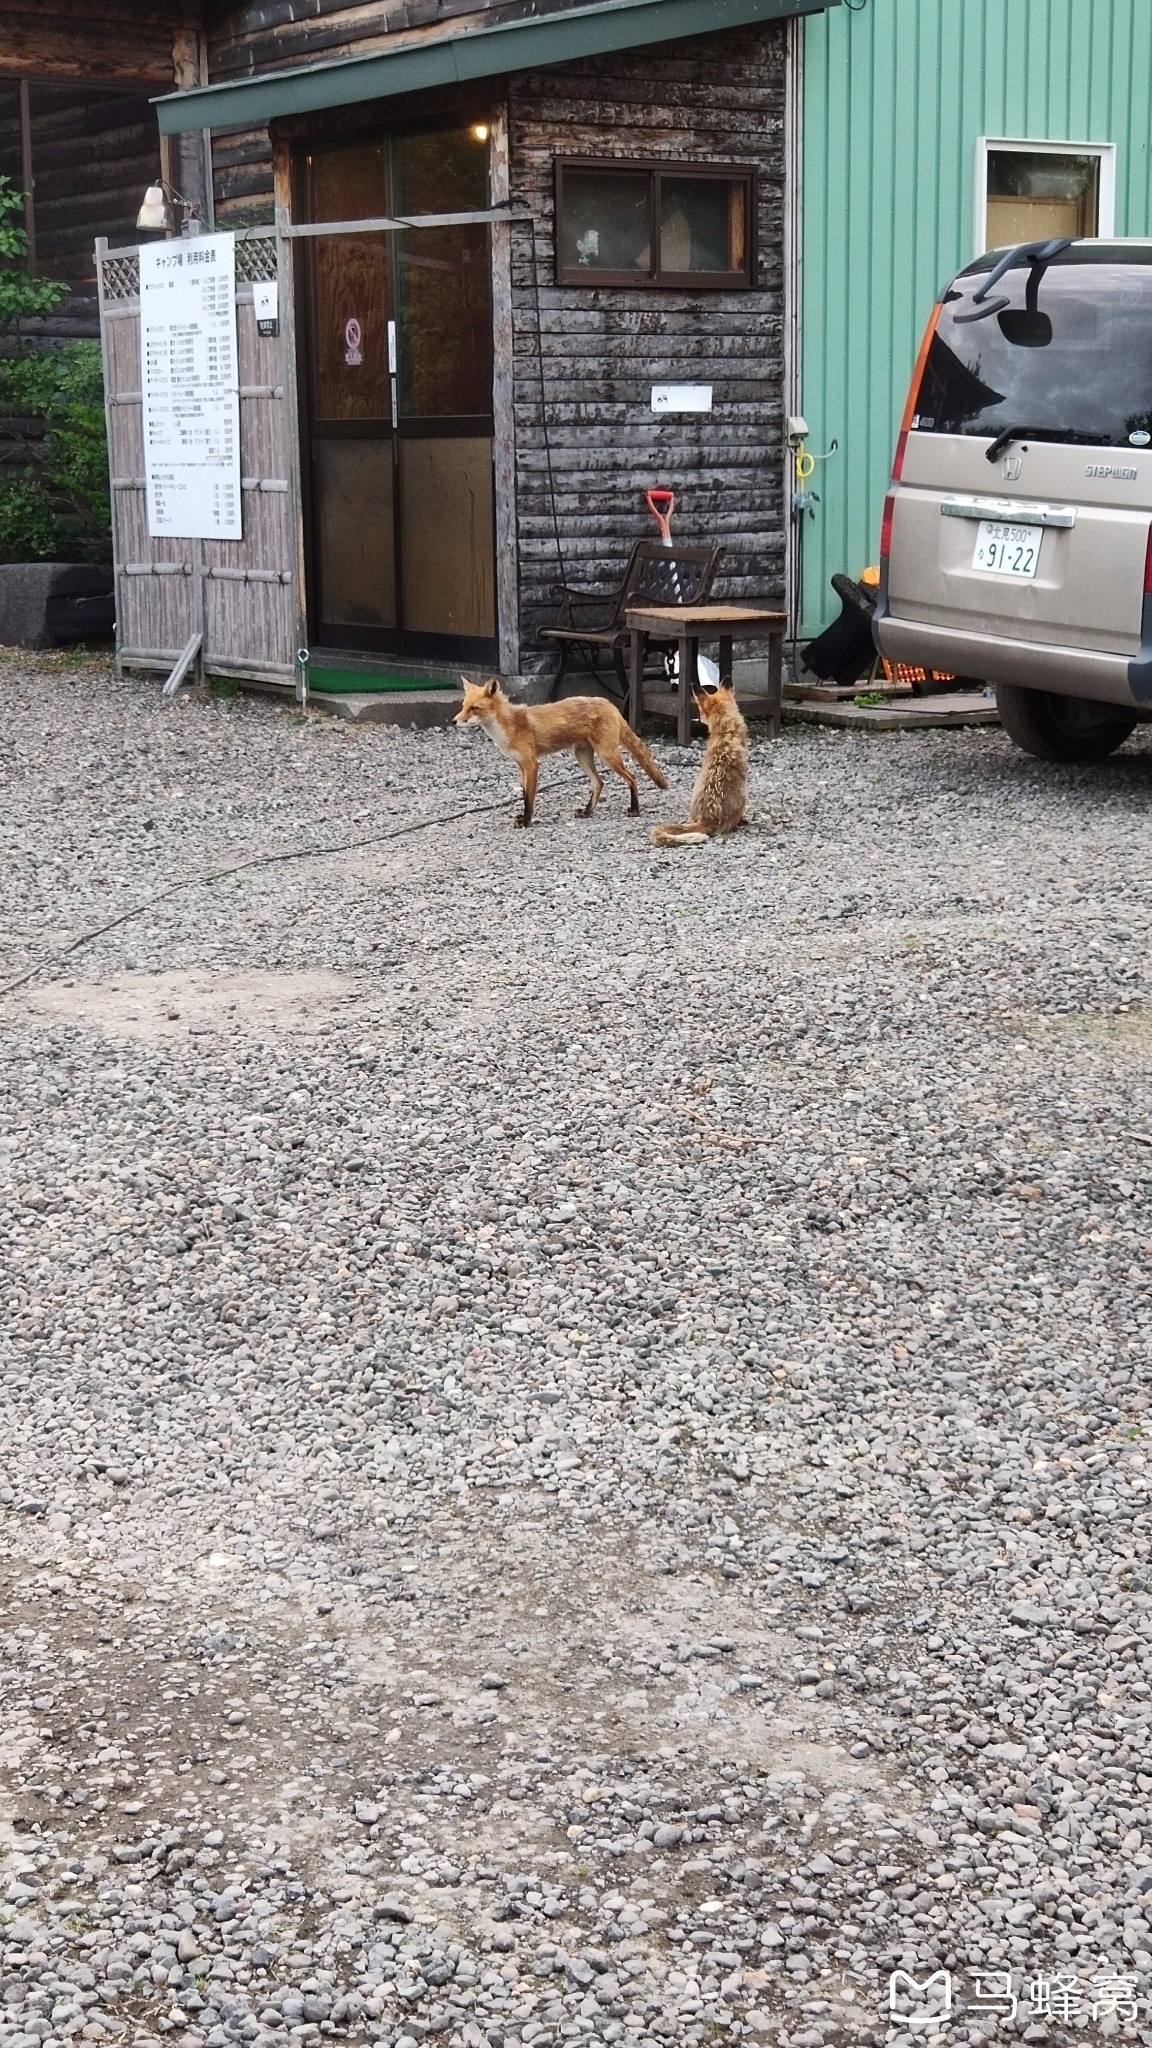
column 399, row 429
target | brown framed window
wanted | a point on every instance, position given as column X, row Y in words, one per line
column 682, row 226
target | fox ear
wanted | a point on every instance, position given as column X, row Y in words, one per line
column 728, row 684
column 467, row 682
column 492, row 687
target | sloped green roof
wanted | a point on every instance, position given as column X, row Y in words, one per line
column 490, row 51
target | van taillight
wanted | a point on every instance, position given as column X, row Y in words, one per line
column 886, row 527
column 914, row 392
column 1148, row 566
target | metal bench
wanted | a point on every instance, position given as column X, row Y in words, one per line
column 657, row 575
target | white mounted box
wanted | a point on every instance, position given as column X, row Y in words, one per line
column 681, row 398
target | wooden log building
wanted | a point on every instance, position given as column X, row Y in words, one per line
column 579, row 204
column 78, row 130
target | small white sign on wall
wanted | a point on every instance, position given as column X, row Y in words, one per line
column 681, row 398
column 266, row 306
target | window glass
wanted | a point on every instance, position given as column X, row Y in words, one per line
column 350, row 285
column 443, row 277
column 445, row 171
column 434, row 282
column 702, row 224
column 1036, row 193
column 605, row 223
column 354, row 511
column 651, row 224
column 1069, row 358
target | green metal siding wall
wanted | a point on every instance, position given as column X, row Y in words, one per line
column 895, row 94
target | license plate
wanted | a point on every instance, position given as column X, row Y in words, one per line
column 1004, row 550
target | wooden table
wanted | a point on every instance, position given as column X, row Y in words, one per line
column 688, row 625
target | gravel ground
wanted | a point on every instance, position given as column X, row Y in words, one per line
column 575, row 1450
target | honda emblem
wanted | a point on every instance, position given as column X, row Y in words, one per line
column 1011, row 467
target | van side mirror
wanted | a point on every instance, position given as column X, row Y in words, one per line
column 1025, row 327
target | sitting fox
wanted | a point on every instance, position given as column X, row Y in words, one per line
column 720, row 793
column 589, row 725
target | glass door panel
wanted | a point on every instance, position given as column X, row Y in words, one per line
column 441, row 170
column 350, row 329
column 443, row 280
column 444, row 303
column 354, row 510
column 350, row 288
column 353, row 458
column 400, row 346
column 446, row 549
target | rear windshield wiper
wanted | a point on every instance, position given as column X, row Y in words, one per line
column 1008, row 434
column 1070, row 434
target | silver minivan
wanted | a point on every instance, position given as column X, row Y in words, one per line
column 1016, row 541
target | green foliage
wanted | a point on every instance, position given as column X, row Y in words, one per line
column 21, row 297
column 55, row 506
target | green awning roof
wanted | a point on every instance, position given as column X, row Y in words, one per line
column 423, row 65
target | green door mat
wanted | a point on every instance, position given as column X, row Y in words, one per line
column 346, row 681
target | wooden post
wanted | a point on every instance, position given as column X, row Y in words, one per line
column 688, row 649
column 26, row 172
column 188, row 655
column 503, row 411
column 189, row 163
column 286, row 300
column 776, row 684
column 105, row 355
column 636, row 677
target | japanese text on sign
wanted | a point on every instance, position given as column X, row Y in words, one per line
column 191, row 390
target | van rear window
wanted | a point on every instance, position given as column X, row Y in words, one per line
column 1065, row 354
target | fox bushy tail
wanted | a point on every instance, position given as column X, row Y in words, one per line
column 639, row 752
column 680, row 835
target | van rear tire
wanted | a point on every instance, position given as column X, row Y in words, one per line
column 1057, row 728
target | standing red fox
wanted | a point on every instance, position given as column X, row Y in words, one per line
column 589, row 725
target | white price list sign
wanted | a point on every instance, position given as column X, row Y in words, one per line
column 191, row 388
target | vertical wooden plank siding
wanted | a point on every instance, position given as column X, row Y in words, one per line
column 243, row 595
column 250, row 586
column 895, row 94
column 584, row 459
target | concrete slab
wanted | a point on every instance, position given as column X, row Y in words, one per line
column 423, row 708
column 906, row 714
